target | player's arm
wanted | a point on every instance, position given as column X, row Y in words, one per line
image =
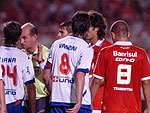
column 2, row 98
column 91, row 79
column 146, row 92
column 32, row 96
column 98, row 74
column 80, row 80
column 96, row 83
column 29, row 80
column 47, row 75
column 47, row 78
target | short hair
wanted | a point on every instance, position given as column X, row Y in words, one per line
column 33, row 29
column 98, row 21
column 12, row 31
column 68, row 25
column 120, row 28
column 80, row 23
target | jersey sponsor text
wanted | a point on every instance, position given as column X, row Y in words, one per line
column 126, row 54
column 123, row 89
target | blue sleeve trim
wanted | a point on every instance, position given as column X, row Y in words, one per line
column 29, row 82
column 82, row 70
column 46, row 67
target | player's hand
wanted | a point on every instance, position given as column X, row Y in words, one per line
column 38, row 57
column 147, row 111
column 75, row 109
column 3, row 110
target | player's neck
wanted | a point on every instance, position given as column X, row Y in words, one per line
column 10, row 45
column 93, row 41
column 122, row 39
column 32, row 49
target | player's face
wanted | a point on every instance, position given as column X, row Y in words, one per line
column 90, row 34
column 26, row 39
column 62, row 32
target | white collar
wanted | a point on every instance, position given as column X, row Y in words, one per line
column 98, row 43
column 122, row 43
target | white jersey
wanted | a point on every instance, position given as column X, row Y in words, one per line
column 67, row 56
column 17, row 70
column 1, row 74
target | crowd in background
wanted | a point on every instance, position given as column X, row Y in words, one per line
column 48, row 14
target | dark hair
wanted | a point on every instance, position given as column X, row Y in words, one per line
column 120, row 28
column 12, row 31
column 68, row 25
column 33, row 31
column 98, row 21
column 80, row 23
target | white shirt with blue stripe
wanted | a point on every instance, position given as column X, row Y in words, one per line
column 72, row 54
column 17, row 70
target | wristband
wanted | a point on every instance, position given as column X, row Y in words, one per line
column 41, row 61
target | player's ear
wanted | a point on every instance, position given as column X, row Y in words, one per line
column 129, row 34
column 113, row 36
column 34, row 37
column 96, row 28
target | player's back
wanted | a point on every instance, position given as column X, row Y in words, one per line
column 69, row 55
column 68, row 50
column 126, row 66
column 14, row 64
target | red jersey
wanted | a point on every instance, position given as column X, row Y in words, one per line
column 124, row 66
column 97, row 103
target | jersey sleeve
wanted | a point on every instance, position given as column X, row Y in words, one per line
column 145, row 74
column 99, row 71
column 85, row 59
column 28, row 72
column 49, row 59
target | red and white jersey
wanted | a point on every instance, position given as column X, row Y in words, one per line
column 17, row 70
column 67, row 56
column 97, row 103
column 123, row 66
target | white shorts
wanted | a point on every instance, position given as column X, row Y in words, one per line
column 96, row 111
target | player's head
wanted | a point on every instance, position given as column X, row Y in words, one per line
column 120, row 31
column 98, row 23
column 28, row 36
column 65, row 29
column 80, row 23
column 12, row 31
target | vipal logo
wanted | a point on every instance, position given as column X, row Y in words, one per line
column 55, row 79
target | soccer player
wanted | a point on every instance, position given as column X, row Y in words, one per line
column 2, row 95
column 124, row 67
column 17, row 70
column 69, row 61
column 38, row 53
column 95, row 35
column 65, row 29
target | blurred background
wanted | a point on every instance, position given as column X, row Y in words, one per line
column 48, row 14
